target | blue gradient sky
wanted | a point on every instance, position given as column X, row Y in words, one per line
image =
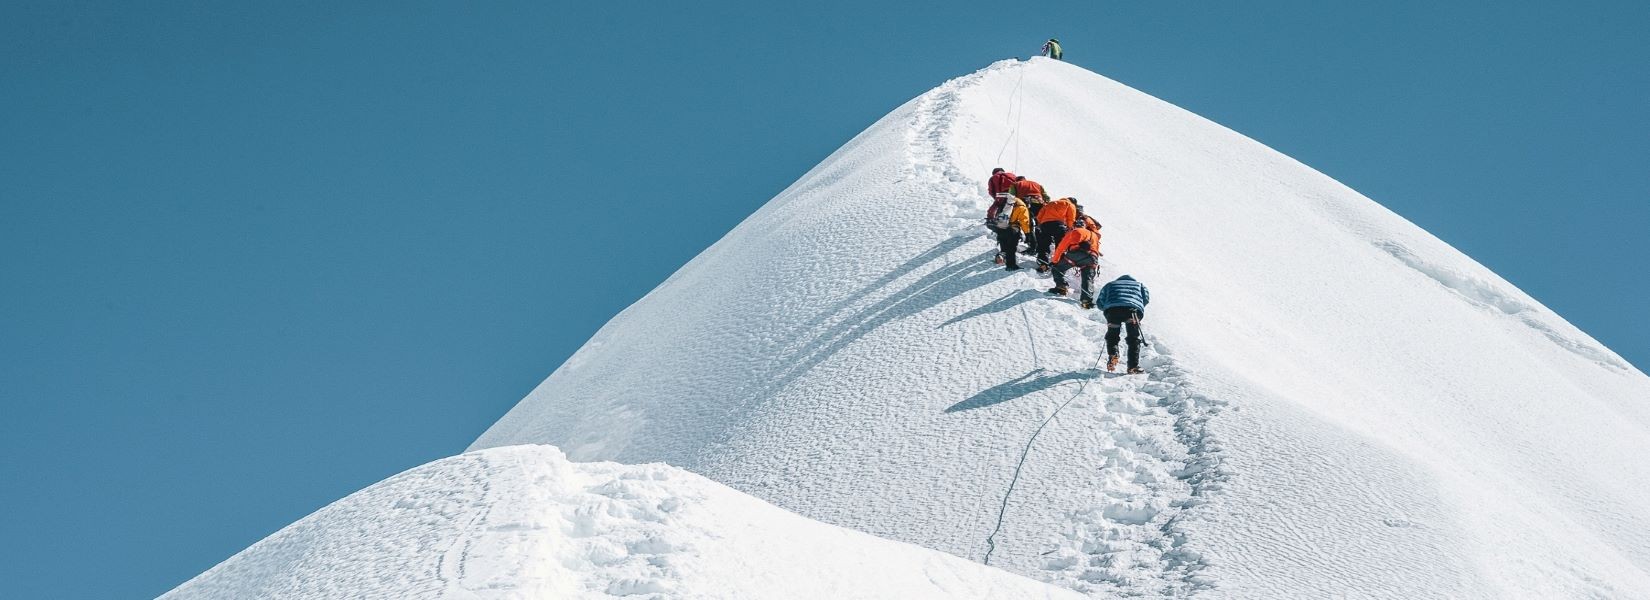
column 255, row 257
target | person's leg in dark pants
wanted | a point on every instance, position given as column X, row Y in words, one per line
column 1048, row 234
column 1114, row 328
column 1136, row 337
column 1009, row 243
column 1086, row 294
column 1059, row 271
column 1032, row 236
column 1116, row 318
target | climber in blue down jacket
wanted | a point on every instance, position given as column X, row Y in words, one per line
column 1124, row 303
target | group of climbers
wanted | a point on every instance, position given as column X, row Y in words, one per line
column 1021, row 208
column 1062, row 237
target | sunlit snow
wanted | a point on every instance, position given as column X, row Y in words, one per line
column 1337, row 403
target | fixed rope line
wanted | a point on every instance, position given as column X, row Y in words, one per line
column 1031, row 336
column 1018, row 117
column 1015, row 131
column 1017, row 135
column 991, row 540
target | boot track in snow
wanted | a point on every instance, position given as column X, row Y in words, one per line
column 1130, row 538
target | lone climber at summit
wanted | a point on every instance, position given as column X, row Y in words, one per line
column 1051, row 49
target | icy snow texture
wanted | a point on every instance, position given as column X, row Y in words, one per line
column 1339, row 403
column 523, row 522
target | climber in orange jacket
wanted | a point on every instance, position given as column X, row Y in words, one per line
column 1028, row 190
column 1088, row 222
column 1052, row 222
column 1078, row 248
column 1034, row 196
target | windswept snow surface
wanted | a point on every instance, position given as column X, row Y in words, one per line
column 1338, row 403
column 524, row 522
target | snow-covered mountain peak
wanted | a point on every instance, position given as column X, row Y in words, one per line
column 1336, row 404
column 1337, row 400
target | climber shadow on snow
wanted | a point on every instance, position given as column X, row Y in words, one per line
column 938, row 250
column 1036, row 381
column 928, row 291
column 1006, row 302
column 941, row 249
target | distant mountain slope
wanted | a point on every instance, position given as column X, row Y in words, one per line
column 523, row 522
column 1338, row 402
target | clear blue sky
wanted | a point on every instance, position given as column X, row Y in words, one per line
column 254, row 257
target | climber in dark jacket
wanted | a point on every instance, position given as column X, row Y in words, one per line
column 1124, row 303
column 1051, row 49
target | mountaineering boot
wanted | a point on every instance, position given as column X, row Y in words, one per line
column 1042, row 267
column 1085, row 304
column 1137, row 371
column 999, row 258
column 1111, row 363
column 1058, row 290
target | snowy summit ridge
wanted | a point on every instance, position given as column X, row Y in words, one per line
column 1337, row 402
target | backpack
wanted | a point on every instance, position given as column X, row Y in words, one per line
column 1001, row 182
column 1004, row 219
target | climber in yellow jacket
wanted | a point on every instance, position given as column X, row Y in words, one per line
column 1009, row 219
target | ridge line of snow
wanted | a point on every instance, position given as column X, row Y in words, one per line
column 1487, row 294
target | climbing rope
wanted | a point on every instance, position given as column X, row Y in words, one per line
column 991, row 540
column 1002, row 511
column 1016, row 116
column 1031, row 336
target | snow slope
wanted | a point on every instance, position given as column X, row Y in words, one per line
column 1338, row 403
column 524, row 522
